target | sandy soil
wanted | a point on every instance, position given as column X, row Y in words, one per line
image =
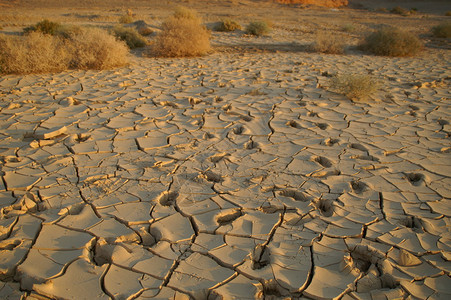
column 236, row 175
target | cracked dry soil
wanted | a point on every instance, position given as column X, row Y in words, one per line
column 136, row 191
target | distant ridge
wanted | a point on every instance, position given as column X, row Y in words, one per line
column 325, row 3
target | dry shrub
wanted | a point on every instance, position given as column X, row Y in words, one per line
column 355, row 87
column 95, row 48
column 399, row 11
column 258, row 28
column 34, row 53
column 130, row 36
column 442, row 30
column 448, row 13
column 39, row 53
column 348, row 28
column 45, row 26
column 186, row 13
column 390, row 41
column 66, row 31
column 228, row 25
column 125, row 19
column 328, row 43
column 182, row 35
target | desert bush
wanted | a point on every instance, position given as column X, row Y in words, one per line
column 126, row 19
column 67, row 31
column 390, row 41
column 45, row 26
column 33, row 53
column 95, row 48
column 448, row 13
column 355, row 87
column 39, row 53
column 382, row 9
column 328, row 43
column 182, row 35
column 348, row 28
column 186, row 13
column 258, row 28
column 228, row 25
column 130, row 36
column 399, row 11
column 443, row 30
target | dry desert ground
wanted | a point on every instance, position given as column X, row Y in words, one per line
column 239, row 174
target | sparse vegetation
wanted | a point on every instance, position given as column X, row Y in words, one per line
column 390, row 41
column 328, row 43
column 125, row 19
column 33, row 53
column 399, row 11
column 95, row 48
column 130, row 36
column 39, row 53
column 182, row 35
column 185, row 13
column 228, row 25
column 258, row 28
column 382, row 9
column 348, row 28
column 45, row 26
column 66, row 31
column 443, row 30
column 354, row 86
column 403, row 12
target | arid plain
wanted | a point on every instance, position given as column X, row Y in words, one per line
column 239, row 174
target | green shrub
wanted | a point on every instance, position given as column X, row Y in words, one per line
column 443, row 30
column 45, row 27
column 258, row 28
column 329, row 43
column 228, row 25
column 130, row 36
column 355, row 87
column 390, row 41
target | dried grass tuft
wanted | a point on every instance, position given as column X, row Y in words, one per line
column 130, row 36
column 328, row 43
column 182, row 35
column 258, row 28
column 45, row 26
column 95, row 48
column 228, row 25
column 40, row 53
column 442, row 30
column 390, row 41
column 354, row 86
column 33, row 53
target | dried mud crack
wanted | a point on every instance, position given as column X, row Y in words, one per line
column 234, row 175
